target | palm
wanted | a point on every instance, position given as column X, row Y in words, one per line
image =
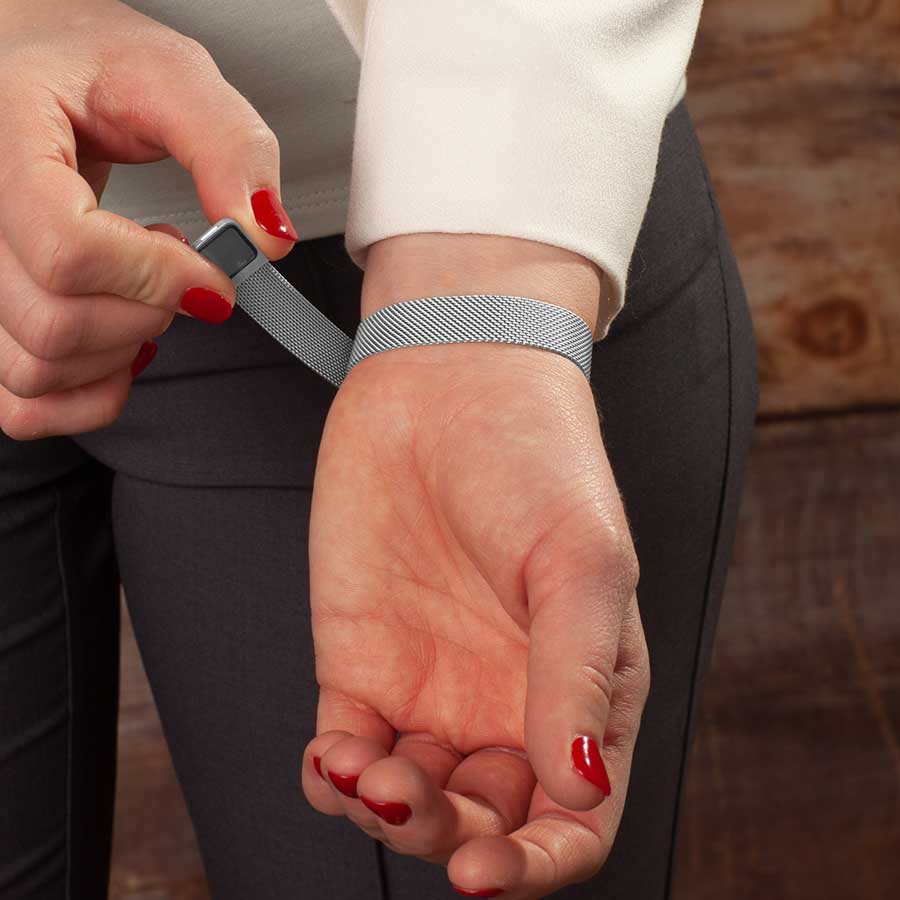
column 417, row 554
column 472, row 589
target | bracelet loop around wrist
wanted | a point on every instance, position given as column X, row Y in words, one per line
column 277, row 306
column 463, row 318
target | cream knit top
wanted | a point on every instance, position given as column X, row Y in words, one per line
column 538, row 119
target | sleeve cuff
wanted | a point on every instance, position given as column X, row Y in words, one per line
column 532, row 120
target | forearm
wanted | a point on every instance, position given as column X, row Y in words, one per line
column 407, row 266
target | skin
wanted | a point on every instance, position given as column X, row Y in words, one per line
column 87, row 84
column 472, row 574
column 473, row 586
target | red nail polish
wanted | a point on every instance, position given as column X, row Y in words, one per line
column 392, row 813
column 317, row 765
column 487, row 892
column 346, row 784
column 206, row 304
column 144, row 358
column 588, row 762
column 270, row 214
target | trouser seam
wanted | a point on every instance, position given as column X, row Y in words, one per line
column 716, row 548
column 64, row 593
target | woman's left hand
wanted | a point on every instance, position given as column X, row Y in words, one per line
column 474, row 615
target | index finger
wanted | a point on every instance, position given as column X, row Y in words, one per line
column 50, row 220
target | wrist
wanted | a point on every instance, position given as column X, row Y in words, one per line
column 409, row 266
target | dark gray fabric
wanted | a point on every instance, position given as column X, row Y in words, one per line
column 199, row 497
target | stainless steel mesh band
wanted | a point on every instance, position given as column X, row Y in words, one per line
column 275, row 304
column 475, row 317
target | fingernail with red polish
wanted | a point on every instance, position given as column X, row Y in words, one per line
column 392, row 813
column 346, row 784
column 144, row 358
column 206, row 304
column 487, row 892
column 588, row 762
column 317, row 765
column 270, row 214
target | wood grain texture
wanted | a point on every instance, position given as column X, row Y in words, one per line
column 798, row 108
column 793, row 789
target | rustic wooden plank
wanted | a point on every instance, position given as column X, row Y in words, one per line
column 794, row 783
column 798, row 108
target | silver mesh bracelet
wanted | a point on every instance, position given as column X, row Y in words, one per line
column 464, row 318
column 276, row 305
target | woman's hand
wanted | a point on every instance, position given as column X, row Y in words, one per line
column 473, row 589
column 88, row 83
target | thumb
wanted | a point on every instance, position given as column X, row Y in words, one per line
column 579, row 581
column 171, row 94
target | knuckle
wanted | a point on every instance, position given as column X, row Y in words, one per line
column 259, row 139
column 20, row 421
column 572, row 851
column 56, row 261
column 49, row 331
column 599, row 680
column 146, row 284
column 629, row 566
column 620, row 559
column 193, row 51
column 28, row 377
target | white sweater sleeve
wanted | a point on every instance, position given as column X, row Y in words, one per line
column 538, row 119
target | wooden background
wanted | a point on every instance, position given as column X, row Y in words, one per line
column 794, row 787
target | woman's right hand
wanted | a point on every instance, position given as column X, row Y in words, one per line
column 88, row 83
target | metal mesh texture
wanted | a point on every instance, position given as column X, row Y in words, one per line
column 476, row 317
column 276, row 305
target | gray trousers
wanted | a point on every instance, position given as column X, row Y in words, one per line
column 197, row 499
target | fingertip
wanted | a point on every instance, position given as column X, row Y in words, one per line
column 390, row 811
column 571, row 770
column 393, row 787
column 346, row 759
column 588, row 763
column 270, row 214
column 485, row 867
column 206, row 304
column 315, row 786
column 143, row 358
column 272, row 226
column 346, row 784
